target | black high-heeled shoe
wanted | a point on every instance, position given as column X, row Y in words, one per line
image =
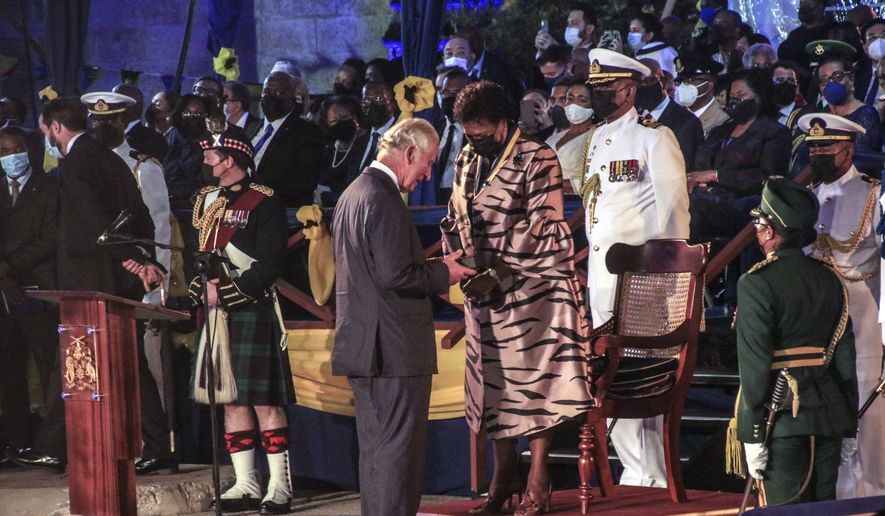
column 532, row 506
column 497, row 500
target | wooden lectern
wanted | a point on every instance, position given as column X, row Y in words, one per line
column 99, row 367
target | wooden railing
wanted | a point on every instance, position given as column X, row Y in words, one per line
column 575, row 222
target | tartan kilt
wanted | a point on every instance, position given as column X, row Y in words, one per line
column 260, row 367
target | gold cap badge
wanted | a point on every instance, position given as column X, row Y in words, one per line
column 816, row 129
column 594, row 67
column 101, row 106
column 819, row 49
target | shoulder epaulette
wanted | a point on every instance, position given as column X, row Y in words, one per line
column 763, row 264
column 261, row 189
column 142, row 157
column 872, row 180
column 207, row 189
column 647, row 121
column 792, row 117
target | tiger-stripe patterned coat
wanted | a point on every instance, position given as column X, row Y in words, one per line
column 527, row 340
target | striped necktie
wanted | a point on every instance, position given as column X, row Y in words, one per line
column 14, row 190
column 264, row 137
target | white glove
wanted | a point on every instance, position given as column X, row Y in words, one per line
column 757, row 458
column 849, row 449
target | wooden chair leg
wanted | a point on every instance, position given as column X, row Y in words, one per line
column 479, row 474
column 603, row 469
column 586, row 462
column 671, row 457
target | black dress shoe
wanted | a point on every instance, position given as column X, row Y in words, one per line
column 28, row 457
column 271, row 507
column 246, row 503
column 146, row 466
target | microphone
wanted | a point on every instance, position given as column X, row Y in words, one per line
column 122, row 219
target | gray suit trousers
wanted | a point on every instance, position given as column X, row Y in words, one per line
column 391, row 423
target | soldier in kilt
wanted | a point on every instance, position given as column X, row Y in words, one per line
column 243, row 222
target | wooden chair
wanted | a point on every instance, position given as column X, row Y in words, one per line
column 658, row 312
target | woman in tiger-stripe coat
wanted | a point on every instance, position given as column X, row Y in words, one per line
column 526, row 339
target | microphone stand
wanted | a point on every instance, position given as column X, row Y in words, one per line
column 203, row 262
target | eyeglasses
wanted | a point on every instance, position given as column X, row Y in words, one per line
column 189, row 114
column 838, row 76
column 379, row 100
column 782, row 80
column 759, row 223
column 873, row 36
column 200, row 90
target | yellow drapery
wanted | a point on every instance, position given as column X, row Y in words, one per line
column 310, row 357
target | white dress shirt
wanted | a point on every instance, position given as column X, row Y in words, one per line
column 22, row 181
column 381, row 130
column 784, row 113
column 448, row 175
column 384, row 168
column 71, row 143
column 659, row 110
column 276, row 130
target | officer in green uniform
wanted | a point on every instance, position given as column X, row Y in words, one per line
column 793, row 315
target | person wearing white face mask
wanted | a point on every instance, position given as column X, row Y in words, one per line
column 580, row 33
column 457, row 52
column 569, row 143
column 866, row 87
column 646, row 41
column 28, row 218
column 695, row 88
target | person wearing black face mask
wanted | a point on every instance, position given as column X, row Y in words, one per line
column 451, row 135
column 287, row 156
column 553, row 65
column 182, row 162
column 652, row 102
column 849, row 240
column 785, row 93
column 641, row 195
column 379, row 113
column 506, row 216
column 815, row 24
column 340, row 118
column 724, row 35
column 737, row 157
column 108, row 129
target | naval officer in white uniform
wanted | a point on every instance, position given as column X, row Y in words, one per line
column 847, row 240
column 635, row 190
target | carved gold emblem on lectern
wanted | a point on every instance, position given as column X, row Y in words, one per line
column 80, row 372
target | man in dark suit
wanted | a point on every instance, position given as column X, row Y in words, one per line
column 384, row 340
column 144, row 140
column 288, row 149
column 95, row 186
column 655, row 104
column 28, row 209
column 488, row 66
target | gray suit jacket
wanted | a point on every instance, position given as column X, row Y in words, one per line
column 383, row 285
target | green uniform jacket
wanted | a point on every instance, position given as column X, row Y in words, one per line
column 792, row 301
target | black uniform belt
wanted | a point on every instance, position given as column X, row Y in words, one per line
column 803, row 356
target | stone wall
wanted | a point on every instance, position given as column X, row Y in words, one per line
column 320, row 34
column 146, row 35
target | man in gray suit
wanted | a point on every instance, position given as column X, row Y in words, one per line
column 384, row 340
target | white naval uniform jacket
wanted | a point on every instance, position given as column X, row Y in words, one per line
column 842, row 207
column 152, row 185
column 643, row 196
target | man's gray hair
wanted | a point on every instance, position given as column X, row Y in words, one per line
column 413, row 131
column 759, row 48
